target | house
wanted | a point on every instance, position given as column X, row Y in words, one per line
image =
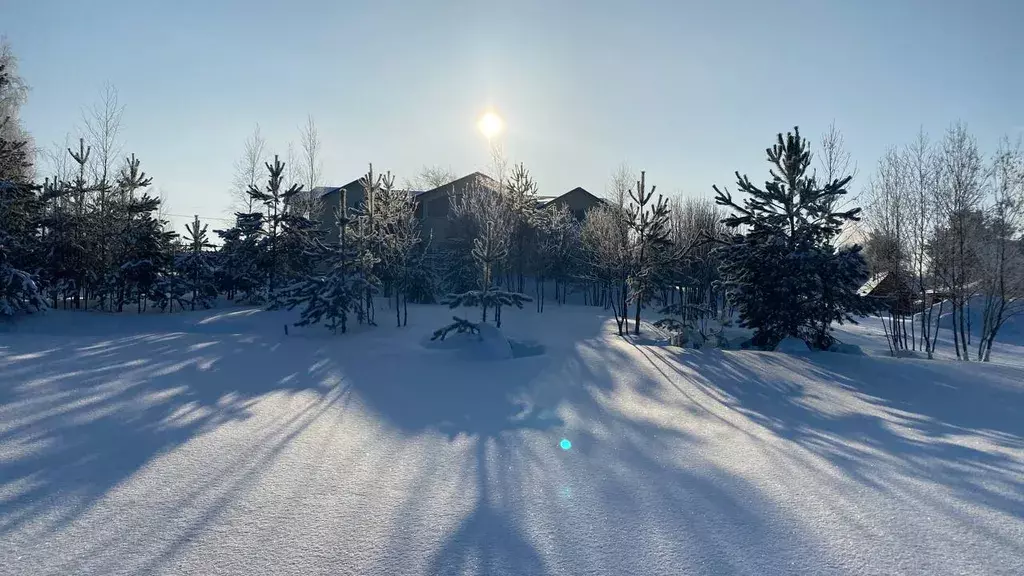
column 432, row 206
column 895, row 290
column 577, row 200
column 330, row 197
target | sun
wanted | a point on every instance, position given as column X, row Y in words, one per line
column 490, row 124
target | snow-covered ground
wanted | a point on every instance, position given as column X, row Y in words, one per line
column 211, row 443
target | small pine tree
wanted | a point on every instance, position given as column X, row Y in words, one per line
column 331, row 295
column 369, row 236
column 650, row 227
column 520, row 197
column 488, row 250
column 275, row 199
column 783, row 274
column 402, row 265
column 241, row 273
column 195, row 265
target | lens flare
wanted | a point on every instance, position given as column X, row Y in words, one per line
column 565, row 444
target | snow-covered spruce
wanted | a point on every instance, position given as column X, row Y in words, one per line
column 488, row 249
column 18, row 290
column 459, row 326
column 335, row 291
column 780, row 266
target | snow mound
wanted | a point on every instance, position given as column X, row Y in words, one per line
column 791, row 345
column 489, row 344
column 851, row 349
column 526, row 348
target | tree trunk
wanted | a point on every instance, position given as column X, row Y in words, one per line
column 636, row 320
column 963, row 339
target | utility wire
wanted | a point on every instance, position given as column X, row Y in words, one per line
column 201, row 217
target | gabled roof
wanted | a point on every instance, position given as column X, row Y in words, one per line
column 869, row 286
column 575, row 191
column 475, row 180
column 328, row 190
column 353, row 186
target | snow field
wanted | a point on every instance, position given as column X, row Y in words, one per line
column 211, row 443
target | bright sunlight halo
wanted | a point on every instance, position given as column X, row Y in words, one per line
column 490, row 125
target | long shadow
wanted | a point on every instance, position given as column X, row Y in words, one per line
column 633, row 495
column 490, row 404
column 907, row 415
column 90, row 411
column 488, row 540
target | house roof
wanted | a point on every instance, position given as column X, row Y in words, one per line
column 575, row 191
column 872, row 283
column 324, row 191
column 885, row 283
column 474, row 180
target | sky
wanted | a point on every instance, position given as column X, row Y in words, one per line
column 688, row 91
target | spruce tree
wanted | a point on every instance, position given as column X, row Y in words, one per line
column 275, row 199
column 79, row 263
column 520, row 195
column 240, row 271
column 369, row 237
column 489, row 249
column 649, row 226
column 331, row 294
column 403, row 268
column 196, row 267
column 20, row 219
column 780, row 268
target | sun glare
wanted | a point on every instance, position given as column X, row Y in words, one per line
column 490, row 125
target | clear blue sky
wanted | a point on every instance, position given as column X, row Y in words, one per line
column 689, row 91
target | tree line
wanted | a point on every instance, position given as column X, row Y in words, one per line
column 780, row 258
column 945, row 223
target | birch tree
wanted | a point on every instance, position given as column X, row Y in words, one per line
column 249, row 170
column 102, row 128
column 835, row 162
column 1002, row 256
column 308, row 204
column 959, row 194
column 888, row 245
column 923, row 167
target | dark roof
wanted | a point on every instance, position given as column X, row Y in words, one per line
column 476, row 179
column 576, row 190
column 353, row 186
column 328, row 190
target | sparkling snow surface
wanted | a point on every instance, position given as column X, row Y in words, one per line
column 211, row 443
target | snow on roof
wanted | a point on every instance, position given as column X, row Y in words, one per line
column 872, row 283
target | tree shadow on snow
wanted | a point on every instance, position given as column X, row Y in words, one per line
column 487, row 406
column 630, row 496
column 91, row 411
column 907, row 415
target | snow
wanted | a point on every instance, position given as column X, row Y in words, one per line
column 1012, row 329
column 488, row 344
column 211, row 443
column 791, row 345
